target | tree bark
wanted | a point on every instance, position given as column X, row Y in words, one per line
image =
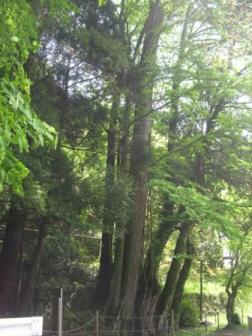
column 122, row 162
column 166, row 297
column 167, row 225
column 25, row 305
column 230, row 306
column 9, row 260
column 234, row 283
column 183, row 276
column 116, row 280
column 20, row 275
column 106, row 258
column 139, row 159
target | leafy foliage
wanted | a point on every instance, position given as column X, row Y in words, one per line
column 189, row 312
column 19, row 124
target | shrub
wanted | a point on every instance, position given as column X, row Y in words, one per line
column 189, row 316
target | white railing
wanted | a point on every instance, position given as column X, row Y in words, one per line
column 25, row 326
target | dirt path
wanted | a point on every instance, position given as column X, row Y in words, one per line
column 231, row 333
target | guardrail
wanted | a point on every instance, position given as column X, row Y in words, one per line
column 24, row 326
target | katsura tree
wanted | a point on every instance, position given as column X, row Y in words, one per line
column 181, row 94
column 195, row 139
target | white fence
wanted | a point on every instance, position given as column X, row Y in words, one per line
column 25, row 326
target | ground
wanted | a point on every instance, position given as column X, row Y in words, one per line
column 243, row 332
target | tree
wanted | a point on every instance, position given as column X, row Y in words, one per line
column 19, row 124
column 238, row 260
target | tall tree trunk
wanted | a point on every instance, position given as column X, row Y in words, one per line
column 235, row 281
column 149, row 281
column 139, row 159
column 123, row 147
column 105, row 270
column 9, row 260
column 116, row 279
column 230, row 309
column 20, row 275
column 232, row 287
column 183, row 276
column 149, row 289
column 167, row 225
column 166, row 297
column 25, row 305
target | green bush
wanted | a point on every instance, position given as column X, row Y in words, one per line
column 189, row 316
column 236, row 319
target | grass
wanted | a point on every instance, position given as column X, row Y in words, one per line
column 198, row 331
column 215, row 285
column 201, row 331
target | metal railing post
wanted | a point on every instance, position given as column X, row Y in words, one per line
column 166, row 326
column 97, row 323
column 60, row 312
column 172, row 323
